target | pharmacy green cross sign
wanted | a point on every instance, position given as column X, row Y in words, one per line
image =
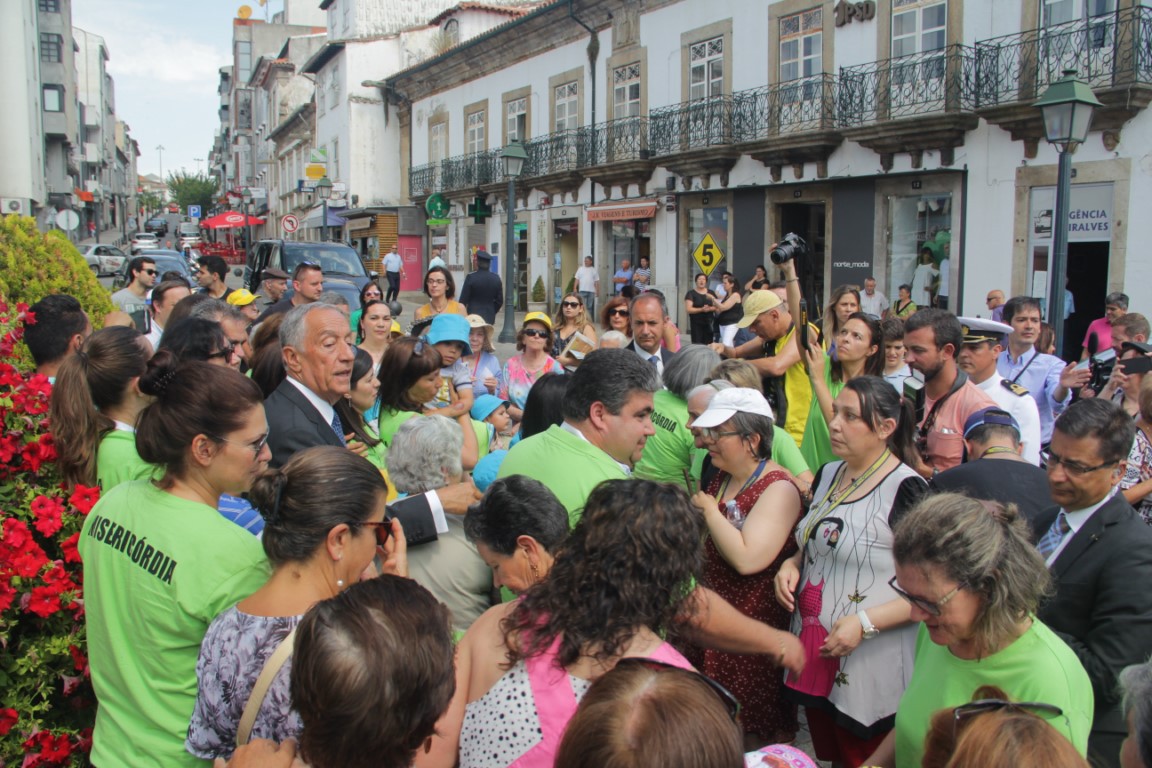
column 479, row 210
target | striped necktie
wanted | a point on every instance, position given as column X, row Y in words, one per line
column 1051, row 540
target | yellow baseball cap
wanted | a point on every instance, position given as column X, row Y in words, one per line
column 539, row 317
column 242, row 297
column 756, row 304
column 396, row 330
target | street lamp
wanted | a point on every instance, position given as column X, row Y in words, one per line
column 1067, row 106
column 247, row 198
column 513, row 157
column 324, row 191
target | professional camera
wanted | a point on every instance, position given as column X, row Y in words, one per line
column 791, row 247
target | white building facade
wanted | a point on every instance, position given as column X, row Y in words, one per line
column 870, row 129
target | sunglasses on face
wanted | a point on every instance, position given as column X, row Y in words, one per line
column 929, row 607
column 536, row 332
column 730, row 702
column 224, row 352
column 383, row 530
column 570, row 304
column 619, row 312
column 150, row 272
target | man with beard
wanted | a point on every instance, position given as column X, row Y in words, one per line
column 932, row 339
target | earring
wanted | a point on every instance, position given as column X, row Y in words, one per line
column 339, row 583
column 535, row 573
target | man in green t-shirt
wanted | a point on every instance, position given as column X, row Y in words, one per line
column 607, row 419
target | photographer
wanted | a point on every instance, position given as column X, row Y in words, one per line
column 773, row 352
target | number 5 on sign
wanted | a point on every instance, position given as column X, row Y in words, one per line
column 708, row 254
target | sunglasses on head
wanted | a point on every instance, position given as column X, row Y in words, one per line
column 536, row 332
column 383, row 529
column 731, row 703
column 980, row 706
column 619, row 311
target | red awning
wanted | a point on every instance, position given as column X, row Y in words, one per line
column 623, row 211
column 229, row 220
column 86, row 197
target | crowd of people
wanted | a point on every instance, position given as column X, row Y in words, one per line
column 322, row 539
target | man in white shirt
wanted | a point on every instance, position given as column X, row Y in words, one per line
column 588, row 284
column 394, row 271
column 872, row 302
column 164, row 299
column 437, row 260
column 983, row 343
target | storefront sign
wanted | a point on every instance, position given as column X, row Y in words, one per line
column 635, row 209
column 1089, row 213
column 847, row 12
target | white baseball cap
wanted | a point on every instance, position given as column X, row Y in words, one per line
column 728, row 402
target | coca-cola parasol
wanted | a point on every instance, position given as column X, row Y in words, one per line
column 229, row 220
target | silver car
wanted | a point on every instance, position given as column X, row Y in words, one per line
column 104, row 259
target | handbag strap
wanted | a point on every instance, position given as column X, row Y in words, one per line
column 260, row 689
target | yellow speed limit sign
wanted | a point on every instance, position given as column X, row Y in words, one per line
column 708, row 254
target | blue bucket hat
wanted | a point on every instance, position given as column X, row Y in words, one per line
column 450, row 327
column 485, row 405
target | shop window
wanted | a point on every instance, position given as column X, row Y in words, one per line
column 919, row 239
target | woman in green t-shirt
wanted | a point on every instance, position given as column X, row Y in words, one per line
column 95, row 402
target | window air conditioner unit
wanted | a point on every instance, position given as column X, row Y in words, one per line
column 16, row 205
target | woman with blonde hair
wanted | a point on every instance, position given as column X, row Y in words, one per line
column 571, row 318
column 483, row 363
column 94, row 406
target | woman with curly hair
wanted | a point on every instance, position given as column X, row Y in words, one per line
column 619, row 584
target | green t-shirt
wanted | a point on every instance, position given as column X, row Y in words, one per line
column 157, row 570
column 669, row 450
column 1038, row 666
column 390, row 421
column 567, row 464
column 817, row 444
column 117, row 460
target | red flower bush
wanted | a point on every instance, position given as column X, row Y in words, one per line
column 49, row 707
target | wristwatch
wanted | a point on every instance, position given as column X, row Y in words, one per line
column 870, row 630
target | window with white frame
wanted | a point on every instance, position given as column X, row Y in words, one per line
column 516, row 117
column 474, row 132
column 437, row 142
column 918, row 26
column 801, row 45
column 706, row 69
column 566, row 106
column 626, row 91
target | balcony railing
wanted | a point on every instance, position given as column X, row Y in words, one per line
column 472, row 170
column 424, row 179
column 908, row 86
column 614, row 141
column 695, row 124
column 796, row 106
column 1109, row 50
column 557, row 152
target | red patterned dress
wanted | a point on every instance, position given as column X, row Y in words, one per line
column 755, row 680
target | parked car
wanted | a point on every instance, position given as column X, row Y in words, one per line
column 143, row 241
column 157, row 226
column 343, row 270
column 166, row 261
column 104, row 259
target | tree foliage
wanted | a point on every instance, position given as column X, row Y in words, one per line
column 191, row 189
column 150, row 203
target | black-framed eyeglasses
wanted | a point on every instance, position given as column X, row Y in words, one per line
column 981, row 706
column 730, row 702
column 536, row 332
column 223, row 353
column 570, row 304
column 1075, row 468
column 712, row 435
column 928, row 606
column 383, row 529
column 255, row 446
column 618, row 311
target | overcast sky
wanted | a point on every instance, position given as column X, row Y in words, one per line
column 165, row 58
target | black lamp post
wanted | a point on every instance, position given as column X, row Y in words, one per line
column 513, row 157
column 324, row 191
column 247, row 198
column 1067, row 106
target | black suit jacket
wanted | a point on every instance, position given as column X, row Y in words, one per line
column 665, row 355
column 294, row 424
column 483, row 294
column 1102, row 607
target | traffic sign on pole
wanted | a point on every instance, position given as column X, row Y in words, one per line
column 193, row 211
column 708, row 254
column 290, row 223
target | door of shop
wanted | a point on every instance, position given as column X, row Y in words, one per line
column 807, row 220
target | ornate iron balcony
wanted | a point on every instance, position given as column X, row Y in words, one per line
column 925, row 83
column 796, row 106
column 1109, row 50
column 614, row 141
column 471, row 170
column 695, row 124
column 424, row 179
column 557, row 152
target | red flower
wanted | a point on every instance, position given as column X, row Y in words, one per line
column 9, row 448
column 68, row 547
column 44, row 601
column 54, row 750
column 84, row 498
column 28, row 317
column 29, row 562
column 7, row 595
column 78, row 659
column 49, row 514
column 14, row 534
column 8, row 718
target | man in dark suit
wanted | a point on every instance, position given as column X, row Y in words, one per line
column 483, row 291
column 318, row 356
column 649, row 317
column 1100, row 554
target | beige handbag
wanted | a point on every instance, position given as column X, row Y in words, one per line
column 260, row 689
